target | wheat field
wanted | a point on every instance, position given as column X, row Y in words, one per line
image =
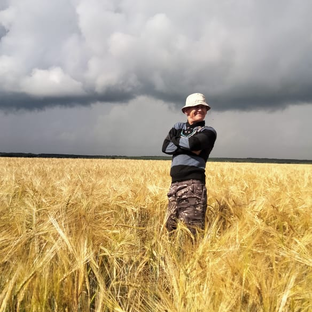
column 88, row 235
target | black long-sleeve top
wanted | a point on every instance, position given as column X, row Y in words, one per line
column 190, row 146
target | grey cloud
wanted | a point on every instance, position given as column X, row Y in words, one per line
column 21, row 101
column 3, row 31
column 279, row 134
column 243, row 56
column 139, row 127
column 4, row 4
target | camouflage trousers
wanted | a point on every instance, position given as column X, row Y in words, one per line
column 187, row 202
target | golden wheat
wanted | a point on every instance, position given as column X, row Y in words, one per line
column 88, row 235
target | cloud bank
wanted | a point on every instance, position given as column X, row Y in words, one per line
column 244, row 55
column 133, row 130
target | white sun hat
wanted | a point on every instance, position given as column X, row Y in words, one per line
column 194, row 100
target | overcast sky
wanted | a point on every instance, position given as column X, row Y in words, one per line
column 109, row 77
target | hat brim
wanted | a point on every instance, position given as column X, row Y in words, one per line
column 188, row 106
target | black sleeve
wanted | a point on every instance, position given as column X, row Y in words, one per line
column 165, row 144
column 171, row 143
column 202, row 140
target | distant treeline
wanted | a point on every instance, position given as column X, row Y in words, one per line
column 217, row 159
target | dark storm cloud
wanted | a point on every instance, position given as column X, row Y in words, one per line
column 243, row 55
column 3, row 32
column 13, row 102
